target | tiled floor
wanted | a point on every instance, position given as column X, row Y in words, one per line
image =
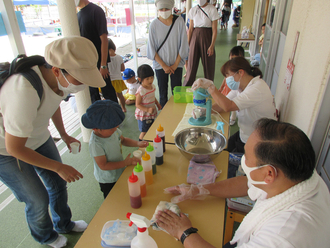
column 84, row 195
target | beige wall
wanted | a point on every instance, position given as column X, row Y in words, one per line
column 300, row 106
column 247, row 13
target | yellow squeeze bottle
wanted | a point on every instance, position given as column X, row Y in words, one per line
column 147, row 167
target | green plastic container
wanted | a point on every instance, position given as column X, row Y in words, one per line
column 181, row 95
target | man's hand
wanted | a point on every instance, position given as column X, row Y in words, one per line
column 173, row 224
column 105, row 73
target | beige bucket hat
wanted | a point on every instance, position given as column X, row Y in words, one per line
column 78, row 56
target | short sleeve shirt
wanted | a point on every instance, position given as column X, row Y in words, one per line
column 175, row 44
column 200, row 19
column 254, row 103
column 115, row 67
column 109, row 147
column 22, row 114
column 92, row 24
column 148, row 101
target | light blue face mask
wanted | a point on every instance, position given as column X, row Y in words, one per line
column 232, row 84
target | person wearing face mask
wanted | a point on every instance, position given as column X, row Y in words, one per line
column 30, row 164
column 250, row 96
column 167, row 47
column 202, row 34
column 292, row 201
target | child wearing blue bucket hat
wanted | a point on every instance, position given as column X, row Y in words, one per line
column 104, row 117
column 131, row 84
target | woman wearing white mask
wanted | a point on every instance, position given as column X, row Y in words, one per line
column 250, row 96
column 202, row 34
column 167, row 47
column 292, row 200
column 28, row 152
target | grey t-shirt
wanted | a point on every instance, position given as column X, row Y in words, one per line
column 176, row 43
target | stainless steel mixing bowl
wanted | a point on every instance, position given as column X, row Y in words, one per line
column 200, row 143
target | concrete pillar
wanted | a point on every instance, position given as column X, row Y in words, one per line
column 12, row 28
column 70, row 27
column 188, row 7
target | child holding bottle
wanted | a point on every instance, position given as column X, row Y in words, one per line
column 104, row 117
column 132, row 84
column 116, row 66
column 146, row 102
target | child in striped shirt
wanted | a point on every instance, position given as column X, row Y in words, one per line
column 146, row 101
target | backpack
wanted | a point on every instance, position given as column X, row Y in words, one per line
column 22, row 65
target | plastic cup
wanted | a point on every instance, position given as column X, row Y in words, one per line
column 137, row 154
column 75, row 147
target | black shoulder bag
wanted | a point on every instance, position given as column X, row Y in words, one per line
column 204, row 12
column 169, row 31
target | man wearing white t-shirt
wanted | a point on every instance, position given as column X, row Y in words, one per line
column 292, row 201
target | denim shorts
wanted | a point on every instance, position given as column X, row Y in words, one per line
column 145, row 125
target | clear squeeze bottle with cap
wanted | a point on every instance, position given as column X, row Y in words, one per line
column 151, row 151
column 160, row 131
column 147, row 167
column 134, row 191
column 138, row 170
column 158, row 145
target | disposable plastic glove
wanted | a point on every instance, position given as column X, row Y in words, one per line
column 185, row 192
column 205, row 84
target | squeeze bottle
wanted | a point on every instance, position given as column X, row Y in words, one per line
column 161, row 133
column 158, row 150
column 138, row 170
column 151, row 151
column 142, row 239
column 134, row 191
column 147, row 167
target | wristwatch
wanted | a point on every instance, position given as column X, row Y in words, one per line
column 104, row 67
column 187, row 232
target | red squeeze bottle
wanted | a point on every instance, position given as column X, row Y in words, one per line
column 134, row 191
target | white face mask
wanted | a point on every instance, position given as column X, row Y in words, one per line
column 165, row 14
column 247, row 170
column 256, row 194
column 71, row 88
column 201, row 2
column 77, row 2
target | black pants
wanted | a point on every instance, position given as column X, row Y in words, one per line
column 162, row 78
column 228, row 245
column 235, row 144
column 108, row 92
column 106, row 188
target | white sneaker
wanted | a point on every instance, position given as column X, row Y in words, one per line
column 59, row 242
column 79, row 226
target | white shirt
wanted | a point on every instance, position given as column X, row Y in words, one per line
column 305, row 224
column 200, row 19
column 21, row 112
column 115, row 67
column 254, row 103
column 132, row 88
